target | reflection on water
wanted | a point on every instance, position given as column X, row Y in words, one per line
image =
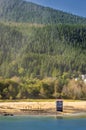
column 59, row 117
column 41, row 123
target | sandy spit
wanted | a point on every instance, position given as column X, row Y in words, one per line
column 42, row 108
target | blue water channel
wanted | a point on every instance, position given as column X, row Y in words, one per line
column 41, row 123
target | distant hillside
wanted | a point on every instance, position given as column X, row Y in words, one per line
column 35, row 50
column 22, row 11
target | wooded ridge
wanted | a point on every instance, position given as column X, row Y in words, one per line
column 23, row 11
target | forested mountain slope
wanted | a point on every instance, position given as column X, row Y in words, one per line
column 22, row 11
column 42, row 51
column 38, row 50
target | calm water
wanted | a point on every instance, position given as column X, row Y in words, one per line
column 41, row 123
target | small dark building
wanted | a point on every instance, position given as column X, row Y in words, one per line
column 59, row 105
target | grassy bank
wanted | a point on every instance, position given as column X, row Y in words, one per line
column 39, row 100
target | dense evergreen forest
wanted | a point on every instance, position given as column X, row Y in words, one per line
column 40, row 57
column 43, row 51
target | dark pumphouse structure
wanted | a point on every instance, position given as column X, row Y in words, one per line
column 59, row 105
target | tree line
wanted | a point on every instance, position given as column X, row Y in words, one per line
column 16, row 88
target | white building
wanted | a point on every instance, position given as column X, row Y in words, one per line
column 83, row 77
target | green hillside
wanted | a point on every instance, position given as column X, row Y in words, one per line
column 32, row 50
column 39, row 61
column 22, row 11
